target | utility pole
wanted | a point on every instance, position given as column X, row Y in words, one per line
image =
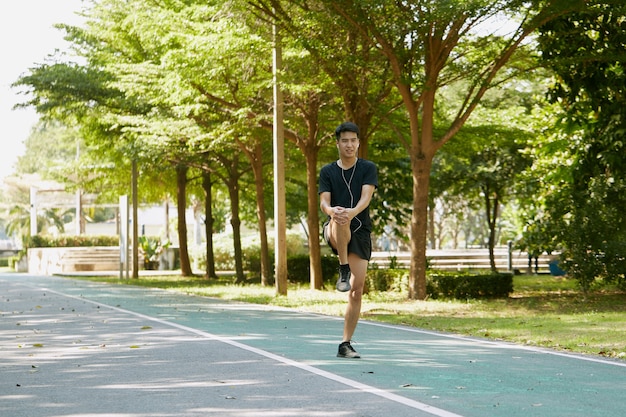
column 135, row 203
column 80, row 219
column 280, row 211
column 33, row 211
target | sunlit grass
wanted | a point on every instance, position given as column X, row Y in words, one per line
column 543, row 311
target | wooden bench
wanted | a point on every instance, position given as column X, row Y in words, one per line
column 98, row 258
column 469, row 259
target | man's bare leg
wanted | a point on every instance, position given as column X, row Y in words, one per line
column 358, row 267
column 339, row 236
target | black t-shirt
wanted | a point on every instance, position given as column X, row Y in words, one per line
column 345, row 187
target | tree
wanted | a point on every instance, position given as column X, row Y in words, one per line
column 151, row 65
column 93, row 96
column 209, row 222
column 427, row 45
column 158, row 83
column 225, row 106
column 348, row 75
column 49, row 147
column 48, row 218
column 484, row 166
column 586, row 50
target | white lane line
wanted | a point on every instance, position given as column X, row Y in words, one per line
column 502, row 345
column 325, row 374
column 468, row 339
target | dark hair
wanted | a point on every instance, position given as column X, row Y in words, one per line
column 346, row 127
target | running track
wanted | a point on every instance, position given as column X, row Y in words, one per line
column 72, row 348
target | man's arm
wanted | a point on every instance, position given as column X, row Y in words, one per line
column 325, row 203
column 343, row 215
column 340, row 215
column 367, row 191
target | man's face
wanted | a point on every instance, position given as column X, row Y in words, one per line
column 348, row 144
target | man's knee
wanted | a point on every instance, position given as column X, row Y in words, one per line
column 356, row 291
column 338, row 233
column 342, row 232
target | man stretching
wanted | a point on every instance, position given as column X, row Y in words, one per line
column 346, row 187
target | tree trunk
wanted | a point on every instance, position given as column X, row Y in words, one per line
column 313, row 222
column 492, row 215
column 422, row 153
column 235, row 221
column 181, row 182
column 208, row 224
column 257, row 169
column 419, row 226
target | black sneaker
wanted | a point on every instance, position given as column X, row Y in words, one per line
column 343, row 283
column 347, row 351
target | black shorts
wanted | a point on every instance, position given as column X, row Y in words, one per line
column 360, row 244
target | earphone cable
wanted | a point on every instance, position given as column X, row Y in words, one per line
column 348, row 184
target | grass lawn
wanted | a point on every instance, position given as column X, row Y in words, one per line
column 543, row 310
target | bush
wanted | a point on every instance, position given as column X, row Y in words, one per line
column 39, row 241
column 224, row 258
column 492, row 285
column 298, row 269
column 387, row 279
column 223, row 249
column 13, row 261
column 330, row 268
column 252, row 259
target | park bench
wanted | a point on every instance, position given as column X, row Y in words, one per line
column 470, row 259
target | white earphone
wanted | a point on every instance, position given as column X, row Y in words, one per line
column 348, row 184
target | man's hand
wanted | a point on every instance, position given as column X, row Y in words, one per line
column 341, row 215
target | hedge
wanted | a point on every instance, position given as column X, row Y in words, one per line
column 442, row 284
column 464, row 286
column 439, row 285
column 38, row 241
column 298, row 268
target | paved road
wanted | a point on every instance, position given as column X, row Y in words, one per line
column 71, row 348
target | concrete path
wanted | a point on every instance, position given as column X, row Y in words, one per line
column 72, row 348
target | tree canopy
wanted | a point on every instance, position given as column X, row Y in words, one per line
column 587, row 51
column 183, row 89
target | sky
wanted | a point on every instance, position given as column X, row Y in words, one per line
column 28, row 37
